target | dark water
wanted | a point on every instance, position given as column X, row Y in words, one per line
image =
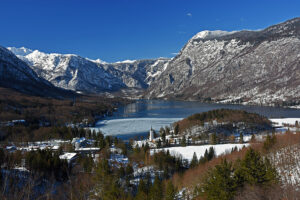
column 137, row 118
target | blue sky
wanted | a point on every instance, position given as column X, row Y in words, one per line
column 114, row 30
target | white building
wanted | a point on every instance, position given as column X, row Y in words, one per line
column 70, row 157
column 151, row 134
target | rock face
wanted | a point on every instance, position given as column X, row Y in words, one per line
column 73, row 72
column 16, row 74
column 260, row 67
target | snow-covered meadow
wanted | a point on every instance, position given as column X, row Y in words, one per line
column 282, row 121
column 188, row 151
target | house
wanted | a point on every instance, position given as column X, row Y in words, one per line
column 80, row 142
column 69, row 157
column 11, row 148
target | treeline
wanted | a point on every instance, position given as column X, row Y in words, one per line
column 228, row 115
column 159, row 190
column 208, row 155
column 169, row 164
column 36, row 110
column 114, row 184
column 31, row 134
column 222, row 115
column 47, row 164
column 225, row 180
column 246, row 172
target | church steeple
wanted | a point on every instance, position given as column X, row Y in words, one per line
column 151, row 134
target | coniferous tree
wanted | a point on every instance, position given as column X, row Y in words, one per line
column 213, row 138
column 269, row 142
column 170, row 191
column 211, row 153
column 194, row 161
column 219, row 183
column 156, row 191
column 167, row 130
column 183, row 141
column 241, row 140
column 202, row 160
column 129, row 170
column 158, row 143
column 256, row 170
column 163, row 137
column 142, row 192
column 223, row 181
column 253, row 139
column 206, row 156
column 176, row 129
column 146, row 148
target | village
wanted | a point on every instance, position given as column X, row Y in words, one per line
column 166, row 138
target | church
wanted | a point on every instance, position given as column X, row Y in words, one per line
column 151, row 134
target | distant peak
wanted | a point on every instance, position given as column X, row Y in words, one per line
column 127, row 61
column 99, row 61
column 206, row 34
column 22, row 51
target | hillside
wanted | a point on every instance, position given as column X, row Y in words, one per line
column 223, row 121
column 256, row 67
column 17, row 75
column 73, row 72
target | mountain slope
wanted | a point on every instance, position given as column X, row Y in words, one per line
column 69, row 71
column 16, row 74
column 73, row 72
column 243, row 66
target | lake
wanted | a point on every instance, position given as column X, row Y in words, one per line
column 137, row 118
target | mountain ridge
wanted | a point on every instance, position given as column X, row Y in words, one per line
column 259, row 67
column 73, row 72
column 17, row 75
column 251, row 67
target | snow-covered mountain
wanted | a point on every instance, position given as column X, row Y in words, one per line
column 16, row 74
column 76, row 73
column 260, row 67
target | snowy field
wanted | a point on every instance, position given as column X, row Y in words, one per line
column 282, row 121
column 188, row 151
column 133, row 125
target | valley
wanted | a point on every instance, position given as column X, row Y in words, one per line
column 219, row 120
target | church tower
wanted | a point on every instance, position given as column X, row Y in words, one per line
column 151, row 134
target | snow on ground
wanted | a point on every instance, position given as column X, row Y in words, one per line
column 282, row 121
column 188, row 151
column 287, row 162
column 140, row 173
column 296, row 107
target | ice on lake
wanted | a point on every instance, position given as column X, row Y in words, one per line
column 133, row 125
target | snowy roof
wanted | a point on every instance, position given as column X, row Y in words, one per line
column 67, row 156
column 55, row 147
column 78, row 140
column 88, row 149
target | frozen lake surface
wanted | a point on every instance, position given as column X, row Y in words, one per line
column 137, row 118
